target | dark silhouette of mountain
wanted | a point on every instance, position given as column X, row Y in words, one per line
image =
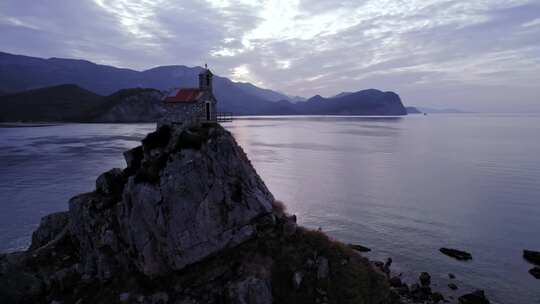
column 58, row 103
column 71, row 103
column 366, row 102
column 21, row 73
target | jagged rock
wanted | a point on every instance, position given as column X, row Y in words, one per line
column 532, row 256
column 395, row 282
column 379, row 265
column 124, row 297
column 323, row 268
column 204, row 200
column 386, row 267
column 297, row 279
column 388, row 263
column 49, row 227
column 476, row 297
column 456, row 254
column 289, row 227
column 452, row 286
column 535, row 272
column 358, row 247
column 402, row 290
column 110, row 182
column 414, row 288
column 437, row 297
column 425, row 279
column 134, row 157
column 159, row 298
column 251, row 290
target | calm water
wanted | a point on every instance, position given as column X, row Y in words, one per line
column 402, row 186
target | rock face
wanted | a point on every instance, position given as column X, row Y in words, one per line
column 179, row 206
column 50, row 227
column 132, row 105
column 188, row 221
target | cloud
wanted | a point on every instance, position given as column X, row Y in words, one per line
column 467, row 54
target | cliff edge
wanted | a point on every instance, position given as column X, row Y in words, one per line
column 187, row 221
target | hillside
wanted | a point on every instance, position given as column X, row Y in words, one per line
column 131, row 105
column 57, row 103
column 366, row 102
column 71, row 103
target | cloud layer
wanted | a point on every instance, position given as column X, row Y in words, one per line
column 477, row 55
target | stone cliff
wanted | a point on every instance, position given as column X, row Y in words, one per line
column 187, row 221
column 131, row 105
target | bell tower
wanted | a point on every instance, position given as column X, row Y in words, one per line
column 205, row 79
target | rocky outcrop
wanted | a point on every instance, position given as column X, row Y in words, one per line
column 359, row 247
column 50, row 227
column 365, row 102
column 532, row 256
column 132, row 105
column 535, row 272
column 456, row 254
column 476, row 297
column 183, row 203
column 188, row 221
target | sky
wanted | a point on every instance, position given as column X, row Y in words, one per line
column 476, row 55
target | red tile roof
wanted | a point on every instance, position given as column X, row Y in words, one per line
column 183, row 95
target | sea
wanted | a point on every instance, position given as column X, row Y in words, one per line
column 402, row 186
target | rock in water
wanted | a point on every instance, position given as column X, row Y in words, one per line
column 360, row 248
column 425, row 279
column 457, row 254
column 532, row 256
column 437, row 297
column 535, row 272
column 193, row 195
column 476, row 297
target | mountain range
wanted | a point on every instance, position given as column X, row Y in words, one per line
column 19, row 74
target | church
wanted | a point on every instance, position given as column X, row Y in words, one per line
column 192, row 106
